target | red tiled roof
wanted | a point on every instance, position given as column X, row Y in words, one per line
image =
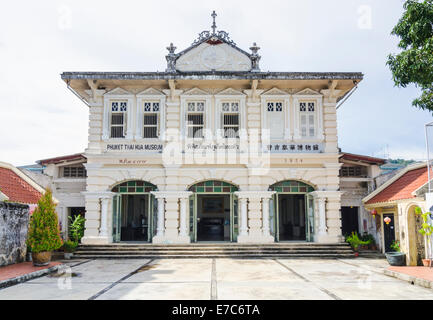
column 16, row 188
column 71, row 157
column 362, row 158
column 403, row 187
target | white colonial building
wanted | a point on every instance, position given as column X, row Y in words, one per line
column 212, row 149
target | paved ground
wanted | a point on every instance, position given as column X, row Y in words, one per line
column 19, row 269
column 220, row 279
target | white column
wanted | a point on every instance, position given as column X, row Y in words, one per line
column 243, row 228
column 322, row 216
column 265, row 217
column 104, row 217
column 183, row 230
column 160, row 222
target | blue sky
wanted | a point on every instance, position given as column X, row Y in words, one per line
column 39, row 40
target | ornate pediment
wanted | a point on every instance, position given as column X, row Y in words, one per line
column 150, row 92
column 195, row 92
column 212, row 51
column 209, row 56
column 275, row 92
column 118, row 92
column 230, row 92
column 308, row 92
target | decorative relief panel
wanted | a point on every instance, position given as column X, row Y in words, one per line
column 207, row 57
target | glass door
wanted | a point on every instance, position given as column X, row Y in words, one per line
column 276, row 216
column 150, row 217
column 309, row 217
column 117, row 215
column 234, row 218
column 193, row 217
column 154, row 215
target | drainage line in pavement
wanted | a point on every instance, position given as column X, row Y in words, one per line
column 213, row 286
column 119, row 281
column 80, row 263
column 333, row 296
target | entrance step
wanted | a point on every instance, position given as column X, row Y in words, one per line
column 286, row 250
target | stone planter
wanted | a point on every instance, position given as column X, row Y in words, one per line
column 41, row 258
column 426, row 262
column 68, row 255
column 396, row 258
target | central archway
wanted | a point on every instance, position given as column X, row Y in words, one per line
column 134, row 211
column 292, row 211
column 213, row 211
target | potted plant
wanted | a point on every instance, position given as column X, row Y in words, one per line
column 355, row 242
column 76, row 228
column 69, row 247
column 44, row 232
column 371, row 241
column 396, row 257
column 427, row 231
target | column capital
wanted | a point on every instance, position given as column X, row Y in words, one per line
column 172, row 194
column 250, row 194
column 326, row 194
column 98, row 194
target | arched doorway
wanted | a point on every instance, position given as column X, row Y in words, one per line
column 134, row 211
column 292, row 211
column 416, row 239
column 213, row 212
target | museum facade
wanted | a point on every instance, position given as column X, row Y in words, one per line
column 212, row 149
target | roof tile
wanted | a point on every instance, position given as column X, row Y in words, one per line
column 403, row 187
column 16, row 188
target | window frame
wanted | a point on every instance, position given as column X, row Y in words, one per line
column 195, row 112
column 153, row 96
column 118, row 94
column 124, row 113
column 276, row 95
column 308, row 95
column 195, row 95
column 239, row 98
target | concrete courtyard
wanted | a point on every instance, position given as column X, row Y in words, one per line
column 214, row 279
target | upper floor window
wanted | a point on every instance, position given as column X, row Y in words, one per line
column 230, row 119
column 151, row 119
column 74, row 172
column 353, row 171
column 275, row 119
column 118, row 119
column 195, row 119
column 307, row 119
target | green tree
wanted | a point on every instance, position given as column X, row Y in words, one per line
column 414, row 64
column 44, row 231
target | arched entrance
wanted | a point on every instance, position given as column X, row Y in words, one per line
column 213, row 211
column 134, row 211
column 292, row 211
column 416, row 239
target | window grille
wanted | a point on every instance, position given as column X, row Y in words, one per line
column 353, row 171
column 118, row 119
column 74, row 172
column 307, row 117
column 230, row 119
column 195, row 120
column 150, row 120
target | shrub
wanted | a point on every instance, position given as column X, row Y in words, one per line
column 70, row 246
column 395, row 246
column 76, row 228
column 355, row 241
column 44, row 231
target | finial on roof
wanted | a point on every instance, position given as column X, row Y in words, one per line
column 255, row 58
column 171, row 58
column 171, row 49
column 214, row 26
